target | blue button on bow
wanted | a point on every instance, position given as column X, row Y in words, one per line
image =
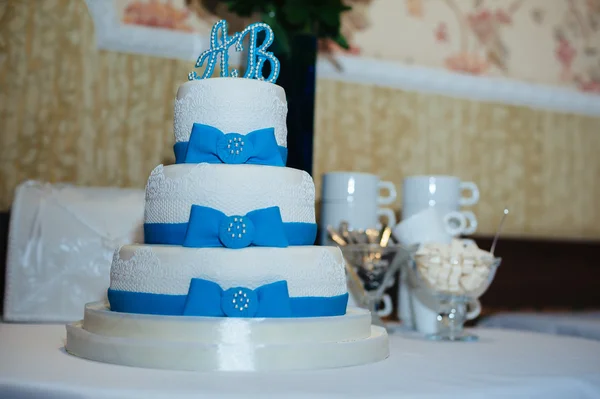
column 208, row 227
column 207, row 298
column 209, row 144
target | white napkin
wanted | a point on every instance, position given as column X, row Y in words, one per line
column 61, row 242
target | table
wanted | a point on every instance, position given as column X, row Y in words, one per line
column 576, row 324
column 502, row 364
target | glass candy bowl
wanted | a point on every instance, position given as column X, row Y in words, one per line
column 376, row 266
column 454, row 281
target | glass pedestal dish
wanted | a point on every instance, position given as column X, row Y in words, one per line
column 375, row 267
column 454, row 286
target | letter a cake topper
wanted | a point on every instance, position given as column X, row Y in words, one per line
column 220, row 42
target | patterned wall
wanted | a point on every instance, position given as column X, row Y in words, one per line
column 553, row 42
column 69, row 112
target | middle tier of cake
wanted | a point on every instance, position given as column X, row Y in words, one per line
column 232, row 190
column 157, row 279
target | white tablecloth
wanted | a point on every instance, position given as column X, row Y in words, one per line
column 503, row 364
column 584, row 324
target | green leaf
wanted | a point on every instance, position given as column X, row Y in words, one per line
column 329, row 17
column 341, row 41
column 297, row 3
column 333, row 4
column 246, row 8
column 296, row 13
column 330, row 14
column 243, row 10
column 289, row 17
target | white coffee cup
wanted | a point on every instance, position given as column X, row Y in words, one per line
column 471, row 224
column 430, row 225
column 421, row 192
column 356, row 187
column 359, row 215
column 354, row 198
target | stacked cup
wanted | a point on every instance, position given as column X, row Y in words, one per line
column 355, row 198
column 444, row 193
column 431, row 212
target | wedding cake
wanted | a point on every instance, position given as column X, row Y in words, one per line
column 228, row 263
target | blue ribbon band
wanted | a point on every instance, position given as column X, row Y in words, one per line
column 180, row 149
column 174, row 233
column 208, row 227
column 175, row 305
column 209, row 145
column 206, row 298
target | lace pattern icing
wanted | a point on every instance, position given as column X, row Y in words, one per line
column 232, row 189
column 309, row 271
column 257, row 107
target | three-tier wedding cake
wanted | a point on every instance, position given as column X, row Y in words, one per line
column 228, row 267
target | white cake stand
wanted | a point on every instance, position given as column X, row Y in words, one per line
column 228, row 344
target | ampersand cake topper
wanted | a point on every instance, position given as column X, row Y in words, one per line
column 220, row 42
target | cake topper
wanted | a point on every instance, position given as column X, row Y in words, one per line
column 257, row 53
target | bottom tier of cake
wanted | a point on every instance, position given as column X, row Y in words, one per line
column 300, row 281
column 226, row 344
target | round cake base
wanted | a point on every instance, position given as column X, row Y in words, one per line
column 243, row 345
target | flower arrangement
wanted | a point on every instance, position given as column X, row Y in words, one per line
column 320, row 18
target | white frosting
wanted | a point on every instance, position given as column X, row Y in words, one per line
column 232, row 189
column 233, row 105
column 308, row 270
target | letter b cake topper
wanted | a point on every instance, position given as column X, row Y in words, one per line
column 257, row 53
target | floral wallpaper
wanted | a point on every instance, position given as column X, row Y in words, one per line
column 196, row 16
column 554, row 42
column 156, row 14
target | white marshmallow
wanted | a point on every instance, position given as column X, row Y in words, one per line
column 459, row 267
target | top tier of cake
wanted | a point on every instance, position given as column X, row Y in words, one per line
column 232, row 105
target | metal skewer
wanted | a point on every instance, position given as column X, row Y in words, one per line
column 498, row 231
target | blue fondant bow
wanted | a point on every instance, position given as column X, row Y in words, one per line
column 208, row 144
column 207, row 298
column 208, row 227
